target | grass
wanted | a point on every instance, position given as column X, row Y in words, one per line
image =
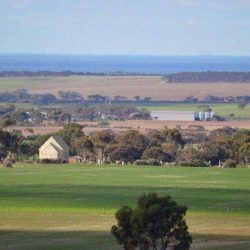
column 72, row 207
column 223, row 109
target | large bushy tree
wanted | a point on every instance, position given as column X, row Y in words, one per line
column 156, row 223
column 102, row 141
column 70, row 133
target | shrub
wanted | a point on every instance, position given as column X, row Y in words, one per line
column 140, row 162
column 218, row 118
column 151, row 162
column 194, row 163
column 48, row 161
column 156, row 153
column 230, row 164
column 7, row 163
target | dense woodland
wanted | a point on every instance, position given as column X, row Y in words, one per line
column 193, row 147
column 208, row 77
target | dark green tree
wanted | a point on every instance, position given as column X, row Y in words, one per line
column 129, row 146
column 242, row 105
column 102, row 141
column 70, row 133
column 156, row 223
column 156, row 153
column 173, row 136
column 244, row 153
column 84, row 147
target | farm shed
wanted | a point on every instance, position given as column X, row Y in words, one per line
column 75, row 159
column 54, row 149
column 173, row 115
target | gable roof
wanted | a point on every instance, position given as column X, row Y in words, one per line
column 60, row 141
column 57, row 142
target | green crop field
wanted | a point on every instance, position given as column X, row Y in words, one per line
column 73, row 206
column 223, row 109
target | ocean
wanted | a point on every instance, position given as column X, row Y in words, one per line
column 132, row 64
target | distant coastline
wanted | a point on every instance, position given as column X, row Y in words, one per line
column 123, row 64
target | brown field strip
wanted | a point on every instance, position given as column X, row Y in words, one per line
column 128, row 86
column 141, row 125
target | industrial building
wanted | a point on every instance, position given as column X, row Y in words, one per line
column 181, row 115
column 173, row 115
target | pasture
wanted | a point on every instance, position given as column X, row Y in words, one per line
column 128, row 86
column 73, row 206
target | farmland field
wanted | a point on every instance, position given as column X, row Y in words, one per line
column 128, row 86
column 141, row 125
column 222, row 109
column 72, row 207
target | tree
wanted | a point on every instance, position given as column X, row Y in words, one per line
column 102, row 141
column 205, row 108
column 191, row 99
column 213, row 152
column 130, row 145
column 242, row 105
column 173, row 136
column 7, row 122
column 156, row 153
column 155, row 138
column 9, row 142
column 156, row 223
column 147, row 99
column 137, row 98
column 244, row 153
column 97, row 98
column 84, row 147
column 70, row 133
column 70, row 96
column 189, row 154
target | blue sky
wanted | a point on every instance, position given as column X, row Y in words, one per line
column 149, row 27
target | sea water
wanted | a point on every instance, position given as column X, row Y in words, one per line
column 125, row 63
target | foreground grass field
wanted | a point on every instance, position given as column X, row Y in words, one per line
column 72, row 207
column 223, row 109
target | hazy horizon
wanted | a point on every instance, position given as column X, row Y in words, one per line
column 117, row 55
column 126, row 27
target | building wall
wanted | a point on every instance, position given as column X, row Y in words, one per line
column 65, row 156
column 49, row 153
column 173, row 116
column 52, row 150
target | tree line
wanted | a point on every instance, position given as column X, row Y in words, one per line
column 194, row 147
column 23, row 96
column 208, row 77
column 43, row 73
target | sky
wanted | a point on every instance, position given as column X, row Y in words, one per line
column 135, row 27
